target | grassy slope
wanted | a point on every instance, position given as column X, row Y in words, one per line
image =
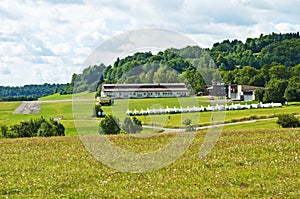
column 56, row 96
column 255, row 164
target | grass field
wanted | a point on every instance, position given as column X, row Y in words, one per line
column 243, row 164
column 203, row 118
column 63, row 109
column 48, row 110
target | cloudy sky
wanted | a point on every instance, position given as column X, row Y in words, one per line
column 48, row 41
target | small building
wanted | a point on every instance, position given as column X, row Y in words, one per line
column 233, row 92
column 145, row 90
column 242, row 92
column 218, row 90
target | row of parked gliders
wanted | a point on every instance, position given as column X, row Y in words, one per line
column 193, row 109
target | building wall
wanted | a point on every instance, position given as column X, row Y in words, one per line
column 249, row 97
column 144, row 90
column 234, row 92
column 146, row 94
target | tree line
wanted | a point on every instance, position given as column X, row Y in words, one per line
column 257, row 52
column 28, row 92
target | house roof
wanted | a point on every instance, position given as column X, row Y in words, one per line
column 249, row 88
column 165, row 87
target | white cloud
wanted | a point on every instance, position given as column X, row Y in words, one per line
column 5, row 71
column 47, row 41
column 62, row 48
column 287, row 27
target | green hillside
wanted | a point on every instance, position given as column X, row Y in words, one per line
column 271, row 61
column 257, row 52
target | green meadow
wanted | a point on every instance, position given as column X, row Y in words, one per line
column 243, row 164
column 256, row 160
column 60, row 106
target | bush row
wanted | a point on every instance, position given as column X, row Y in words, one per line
column 33, row 128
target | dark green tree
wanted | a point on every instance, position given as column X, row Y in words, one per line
column 109, row 125
column 46, row 130
column 4, row 131
column 290, row 94
column 195, row 80
column 137, row 125
column 280, row 72
column 127, row 125
column 259, row 94
column 275, row 91
column 132, row 126
column 59, row 128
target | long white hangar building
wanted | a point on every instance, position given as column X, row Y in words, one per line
column 145, row 90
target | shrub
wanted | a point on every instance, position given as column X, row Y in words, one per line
column 109, row 125
column 188, row 125
column 253, row 117
column 3, row 131
column 132, row 126
column 288, row 121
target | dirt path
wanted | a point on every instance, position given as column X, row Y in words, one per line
column 207, row 127
column 30, row 107
column 56, row 101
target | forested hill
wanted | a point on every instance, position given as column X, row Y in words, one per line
column 252, row 62
column 257, row 52
column 28, row 92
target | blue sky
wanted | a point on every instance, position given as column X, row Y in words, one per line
column 48, row 41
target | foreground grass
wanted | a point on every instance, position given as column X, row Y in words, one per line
column 255, row 164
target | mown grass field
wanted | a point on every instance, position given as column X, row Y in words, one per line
column 243, row 164
column 198, row 119
column 63, row 109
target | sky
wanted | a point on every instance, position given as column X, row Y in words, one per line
column 47, row 41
